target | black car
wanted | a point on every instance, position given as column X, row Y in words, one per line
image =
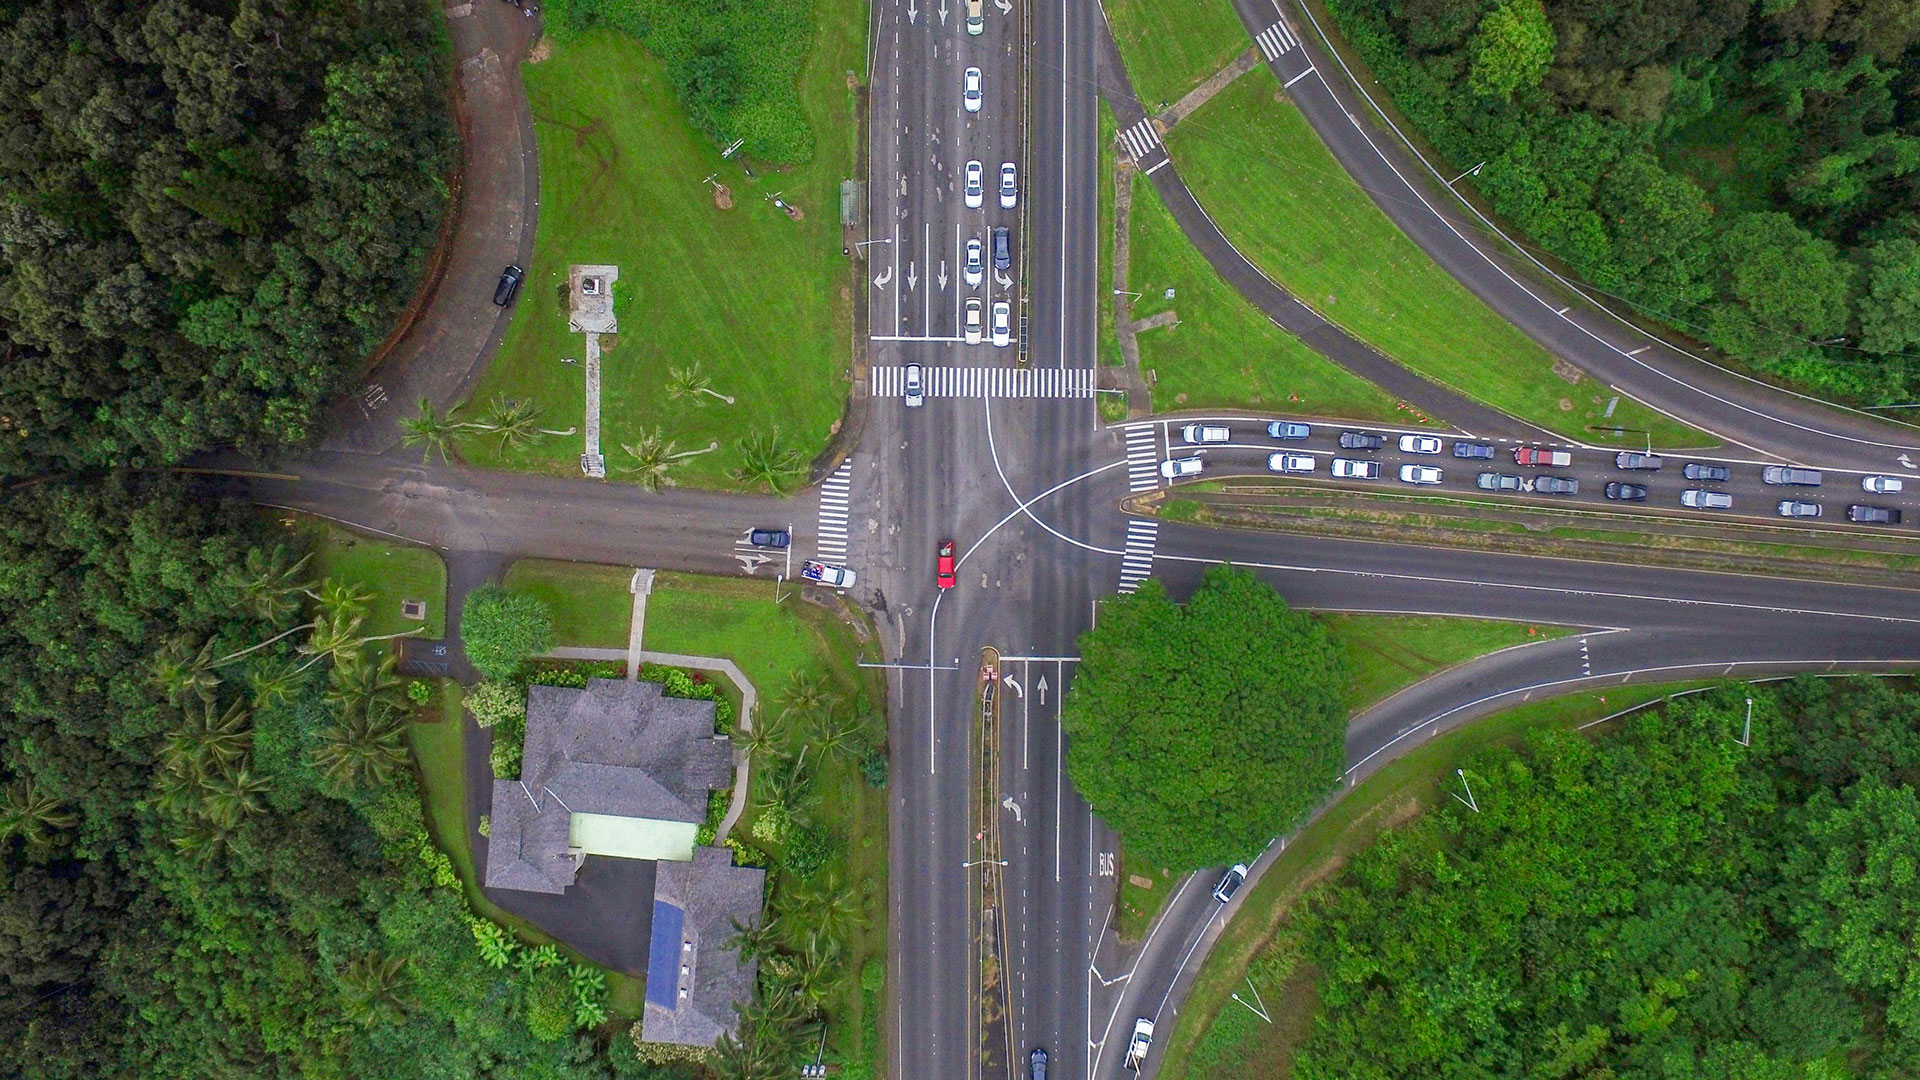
column 1698, row 470
column 1002, row 249
column 1230, row 882
column 1037, row 1064
column 1620, row 492
column 509, row 284
column 1556, row 485
column 770, row 538
column 1873, row 515
column 1361, row 440
column 1473, row 451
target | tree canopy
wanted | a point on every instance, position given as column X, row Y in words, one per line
column 1748, row 172
column 1202, row 732
column 501, row 629
column 1660, row 901
column 210, row 213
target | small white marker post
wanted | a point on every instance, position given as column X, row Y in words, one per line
column 1746, row 731
column 1468, row 802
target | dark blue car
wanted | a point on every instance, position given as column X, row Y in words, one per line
column 1473, row 450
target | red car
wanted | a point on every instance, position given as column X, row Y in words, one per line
column 944, row 574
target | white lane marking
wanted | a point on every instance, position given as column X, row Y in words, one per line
column 1158, row 165
column 1143, row 458
column 1140, row 139
column 1297, row 78
column 889, row 380
column 835, row 494
column 1276, row 39
column 1136, row 565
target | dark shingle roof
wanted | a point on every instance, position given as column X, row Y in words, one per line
column 711, row 894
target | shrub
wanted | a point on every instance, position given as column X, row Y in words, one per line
column 773, row 826
column 549, row 1002
column 654, row 1053
column 873, row 766
column 589, row 987
column 873, row 974
column 420, row 692
column 809, row 850
column 509, row 738
column 502, row 629
column 745, row 854
column 491, row 701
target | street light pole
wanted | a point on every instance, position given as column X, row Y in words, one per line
column 1475, row 171
column 982, row 862
column 1746, row 733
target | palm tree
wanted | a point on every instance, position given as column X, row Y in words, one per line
column 28, row 811
column 768, row 463
column 433, row 430
column 691, row 382
column 273, row 682
column 827, row 908
column 806, row 695
column 755, row 942
column 185, row 673
column 374, row 990
column 271, row 586
column 819, row 969
column 206, row 743
column 337, row 597
column 232, row 795
column 203, row 839
column 652, row 458
column 768, row 737
column 361, row 748
column 517, row 423
column 364, row 683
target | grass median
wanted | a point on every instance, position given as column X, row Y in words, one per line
column 1279, row 195
column 1172, row 46
column 760, row 303
column 1216, row 1036
column 1223, row 352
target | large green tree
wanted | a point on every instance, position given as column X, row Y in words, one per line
column 502, row 629
column 1203, row 731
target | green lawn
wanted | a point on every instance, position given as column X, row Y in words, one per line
column 1103, row 271
column 1171, row 46
column 592, row 605
column 1270, row 183
column 1216, row 1037
column 1224, row 352
column 760, row 302
column 1387, row 653
column 391, row 570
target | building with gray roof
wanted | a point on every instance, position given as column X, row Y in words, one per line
column 694, row 975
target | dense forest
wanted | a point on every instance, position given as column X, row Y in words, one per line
column 1745, row 170
column 1658, row 902
column 210, row 213
column 213, row 861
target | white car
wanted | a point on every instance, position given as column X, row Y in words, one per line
column 972, row 321
column 1291, row 463
column 1355, row 469
column 974, row 270
column 1419, row 444
column 1205, row 433
column 970, row 89
column 1419, row 474
column 1009, row 186
column 1002, row 324
column 837, row 576
column 1139, row 1043
column 975, row 190
column 1175, row 468
column 1882, row 485
column 916, row 389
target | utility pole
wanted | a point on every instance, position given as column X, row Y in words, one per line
column 1746, row 731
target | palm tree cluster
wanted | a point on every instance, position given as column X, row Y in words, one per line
column 767, row 462
column 516, row 423
column 367, row 740
column 206, row 779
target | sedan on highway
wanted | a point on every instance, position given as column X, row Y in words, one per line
column 974, row 270
column 1009, row 186
column 1873, row 515
column 1798, row 508
column 769, row 538
column 1002, row 323
column 1702, row 499
column 1361, row 440
column 971, row 325
column 1230, row 882
column 1419, row 474
column 1355, row 469
column 943, row 565
column 1629, row 459
column 970, row 89
column 916, row 389
column 1882, row 485
column 1493, row 481
column 1556, row 485
column 1291, row 463
column 1419, row 444
column 1620, row 492
column 1175, row 468
column 1700, row 470
column 975, row 189
column 1037, row 1064
column 1473, row 451
column 1290, row 429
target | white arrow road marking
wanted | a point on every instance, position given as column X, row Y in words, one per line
column 911, row 11
column 943, row 12
column 1003, row 5
column 943, row 275
column 913, row 277
column 751, row 563
column 1042, row 687
column 1010, row 681
column 1001, row 277
column 1907, row 461
column 1013, row 806
column 885, row 276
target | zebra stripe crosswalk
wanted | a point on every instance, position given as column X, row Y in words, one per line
column 1276, row 39
column 835, row 494
column 1143, row 458
column 1136, row 565
column 1140, row 139
column 988, row 382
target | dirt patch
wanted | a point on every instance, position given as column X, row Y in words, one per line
column 793, row 212
column 1566, row 371
column 541, row 50
column 1566, row 404
column 722, row 196
column 609, row 342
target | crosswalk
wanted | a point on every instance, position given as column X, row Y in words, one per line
column 988, row 382
column 1140, row 139
column 835, row 493
column 1136, row 565
column 1276, row 39
column 1143, row 458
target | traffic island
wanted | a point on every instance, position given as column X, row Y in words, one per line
column 986, row 889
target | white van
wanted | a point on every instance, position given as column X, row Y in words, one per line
column 976, row 17
column 1205, row 433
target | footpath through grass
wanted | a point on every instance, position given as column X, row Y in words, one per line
column 1218, row 1039
column 1224, row 353
column 1275, row 190
column 592, row 605
column 1172, row 46
column 759, row 302
column 1385, row 654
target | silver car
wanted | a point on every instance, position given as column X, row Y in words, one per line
column 1419, row 474
column 916, row 391
column 1291, row 463
column 975, row 192
column 974, row 270
column 1009, row 186
column 970, row 89
column 1798, row 508
column 1704, row 499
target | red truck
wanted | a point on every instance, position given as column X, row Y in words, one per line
column 1546, row 459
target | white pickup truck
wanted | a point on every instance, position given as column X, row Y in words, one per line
column 1141, row 1042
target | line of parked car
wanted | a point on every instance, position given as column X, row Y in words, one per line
column 1533, row 457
